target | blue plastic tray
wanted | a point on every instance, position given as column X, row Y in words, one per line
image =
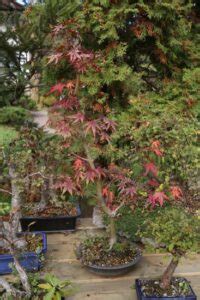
column 29, row 260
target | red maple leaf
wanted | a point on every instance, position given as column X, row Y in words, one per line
column 150, row 168
column 66, row 184
column 70, row 85
column 58, row 88
column 155, row 147
column 74, row 54
column 54, row 58
column 100, row 172
column 153, row 182
column 92, row 126
column 78, row 164
column 129, row 192
column 79, row 117
column 104, row 137
column 90, row 175
column 57, row 29
column 63, row 128
column 176, row 192
column 108, row 124
column 70, row 103
column 157, row 197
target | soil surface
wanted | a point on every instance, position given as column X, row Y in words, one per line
column 179, row 287
column 51, row 211
column 33, row 243
column 95, row 251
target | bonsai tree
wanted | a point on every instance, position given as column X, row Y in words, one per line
column 178, row 233
column 15, row 173
column 86, row 127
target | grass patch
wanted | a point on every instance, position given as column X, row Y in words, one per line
column 7, row 135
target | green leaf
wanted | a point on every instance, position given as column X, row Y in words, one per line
column 50, row 294
column 45, row 286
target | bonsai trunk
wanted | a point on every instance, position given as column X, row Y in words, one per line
column 113, row 234
column 16, row 200
column 22, row 274
column 168, row 274
column 44, row 196
column 101, row 200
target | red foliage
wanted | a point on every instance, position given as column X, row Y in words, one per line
column 176, row 192
column 77, row 118
column 150, row 168
column 66, row 184
column 109, row 195
column 152, row 182
column 58, row 88
column 155, row 147
column 78, row 164
column 69, row 103
column 92, row 126
column 157, row 197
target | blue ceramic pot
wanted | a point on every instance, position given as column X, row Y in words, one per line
column 29, row 260
column 141, row 296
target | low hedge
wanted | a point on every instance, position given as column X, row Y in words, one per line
column 14, row 115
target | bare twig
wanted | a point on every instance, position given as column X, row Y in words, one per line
column 5, row 191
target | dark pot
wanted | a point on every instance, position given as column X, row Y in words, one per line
column 30, row 260
column 50, row 224
column 141, row 296
column 115, row 270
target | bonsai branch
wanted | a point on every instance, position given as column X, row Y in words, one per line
column 5, row 191
column 10, row 290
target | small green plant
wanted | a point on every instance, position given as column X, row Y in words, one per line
column 184, row 285
column 55, row 289
column 27, row 102
column 178, row 232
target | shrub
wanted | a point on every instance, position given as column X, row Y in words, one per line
column 27, row 103
column 129, row 221
column 7, row 135
column 177, row 232
column 14, row 115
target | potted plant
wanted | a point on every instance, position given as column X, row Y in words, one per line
column 44, row 208
column 49, row 287
column 178, row 233
column 30, row 256
column 22, row 250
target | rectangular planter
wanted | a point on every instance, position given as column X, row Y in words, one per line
column 29, row 260
column 50, row 224
column 141, row 296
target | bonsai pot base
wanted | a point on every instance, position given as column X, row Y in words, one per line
column 50, row 224
column 115, row 270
